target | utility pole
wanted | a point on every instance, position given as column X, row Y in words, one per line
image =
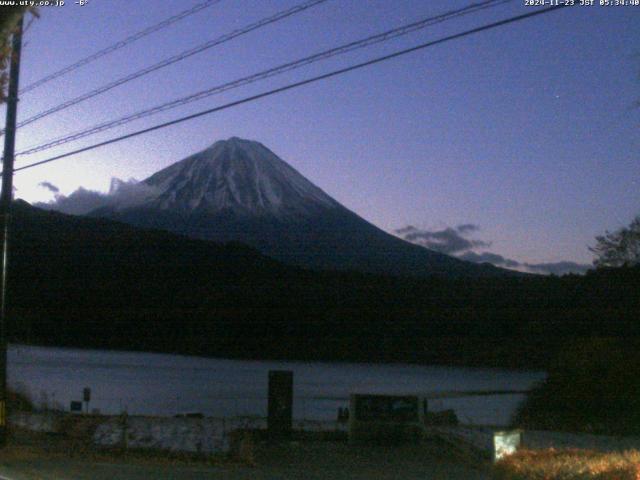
column 6, row 196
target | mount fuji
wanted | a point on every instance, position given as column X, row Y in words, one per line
column 240, row 191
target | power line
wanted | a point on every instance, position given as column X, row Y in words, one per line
column 286, row 67
column 176, row 58
column 297, row 84
column 122, row 43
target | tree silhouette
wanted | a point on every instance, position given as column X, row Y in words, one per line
column 620, row 248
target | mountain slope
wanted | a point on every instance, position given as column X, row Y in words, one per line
column 238, row 190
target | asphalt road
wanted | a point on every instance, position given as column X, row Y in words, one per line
column 298, row 461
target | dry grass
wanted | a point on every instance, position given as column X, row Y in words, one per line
column 569, row 464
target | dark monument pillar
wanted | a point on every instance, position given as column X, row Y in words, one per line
column 280, row 409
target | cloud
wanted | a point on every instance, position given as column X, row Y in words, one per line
column 49, row 186
column 407, row 229
column 454, row 241
column 80, row 202
column 467, row 228
column 488, row 257
column 551, row 268
column 449, row 240
column 83, row 201
column 558, row 268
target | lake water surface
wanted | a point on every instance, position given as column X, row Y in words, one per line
column 160, row 384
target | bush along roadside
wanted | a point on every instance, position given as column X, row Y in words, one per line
column 594, row 387
column 568, row 465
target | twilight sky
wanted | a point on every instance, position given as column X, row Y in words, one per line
column 523, row 140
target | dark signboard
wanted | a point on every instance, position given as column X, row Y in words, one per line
column 280, row 408
column 399, row 409
column 75, row 406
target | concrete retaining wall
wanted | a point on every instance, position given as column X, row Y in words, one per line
column 194, row 435
column 49, row 422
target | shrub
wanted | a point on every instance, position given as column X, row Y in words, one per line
column 594, row 386
column 568, row 465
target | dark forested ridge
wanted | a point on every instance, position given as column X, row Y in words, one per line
column 88, row 282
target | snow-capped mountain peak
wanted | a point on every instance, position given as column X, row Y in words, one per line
column 236, row 175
